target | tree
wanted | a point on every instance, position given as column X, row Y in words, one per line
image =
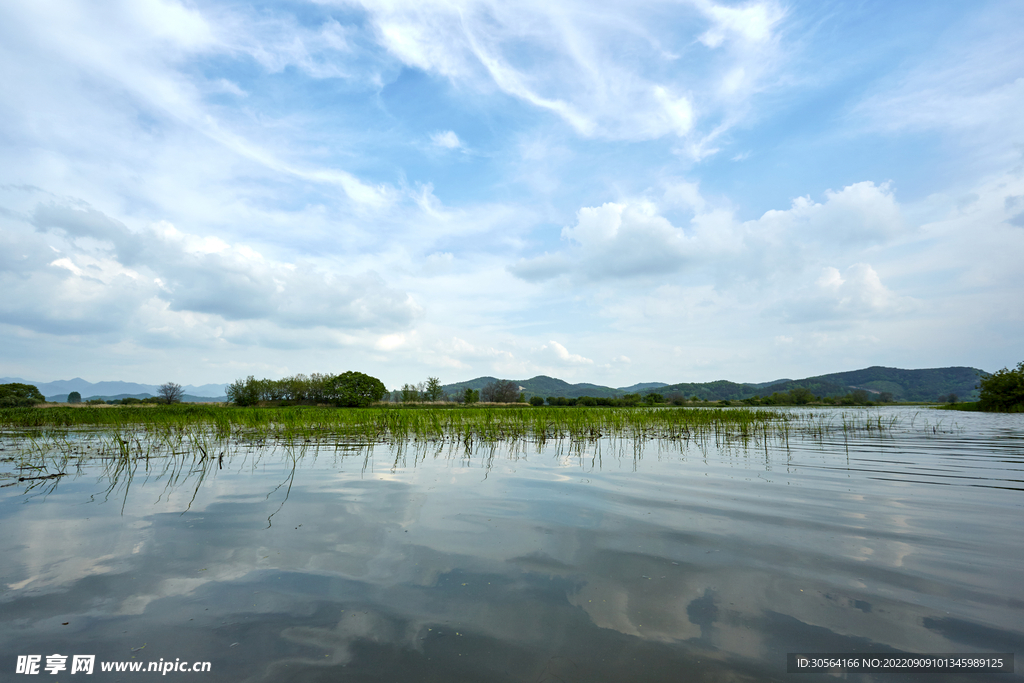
column 886, row 397
column 74, row 397
column 652, row 398
column 1003, row 391
column 433, row 391
column 354, row 389
column 244, row 392
column 860, row 396
column 171, row 392
column 801, row 395
column 17, row 395
column 410, row 393
column 500, row 391
column 471, row 395
column 536, row 401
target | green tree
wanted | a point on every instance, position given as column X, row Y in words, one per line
column 470, row 395
column 801, row 395
column 354, row 389
column 652, row 398
column 536, row 401
column 74, row 397
column 433, row 392
column 19, row 395
column 1003, row 391
column 244, row 392
column 410, row 393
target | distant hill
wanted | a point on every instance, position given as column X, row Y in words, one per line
column 904, row 385
column 642, row 387
column 912, row 385
column 66, row 386
column 187, row 398
column 540, row 385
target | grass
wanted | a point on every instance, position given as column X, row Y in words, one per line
column 201, row 430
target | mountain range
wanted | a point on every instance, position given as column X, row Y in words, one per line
column 58, row 391
column 905, row 385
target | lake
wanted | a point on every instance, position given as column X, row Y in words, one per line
column 607, row 559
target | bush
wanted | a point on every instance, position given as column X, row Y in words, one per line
column 1003, row 391
column 536, row 401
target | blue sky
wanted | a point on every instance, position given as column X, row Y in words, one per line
column 602, row 192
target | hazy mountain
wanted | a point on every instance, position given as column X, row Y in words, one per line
column 187, row 398
column 66, row 386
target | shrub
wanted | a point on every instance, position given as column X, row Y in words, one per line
column 1003, row 391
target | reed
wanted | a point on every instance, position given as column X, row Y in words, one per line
column 130, row 432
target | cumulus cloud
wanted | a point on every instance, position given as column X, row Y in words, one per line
column 554, row 351
column 612, row 241
column 858, row 293
column 633, row 240
column 105, row 272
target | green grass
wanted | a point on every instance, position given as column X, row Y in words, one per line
column 203, row 431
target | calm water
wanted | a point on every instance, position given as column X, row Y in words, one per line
column 596, row 562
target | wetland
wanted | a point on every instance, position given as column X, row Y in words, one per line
column 511, row 544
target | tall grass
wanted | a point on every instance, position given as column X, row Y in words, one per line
column 203, row 431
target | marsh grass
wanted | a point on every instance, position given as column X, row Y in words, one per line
column 204, row 431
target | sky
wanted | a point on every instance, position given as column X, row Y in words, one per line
column 603, row 192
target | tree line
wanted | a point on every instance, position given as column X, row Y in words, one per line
column 349, row 389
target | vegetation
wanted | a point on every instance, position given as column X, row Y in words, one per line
column 501, row 391
column 351, row 389
column 1003, row 391
column 19, row 395
column 171, row 392
column 74, row 397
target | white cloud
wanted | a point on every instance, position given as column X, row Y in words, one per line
column 104, row 261
column 602, row 69
column 446, row 139
column 560, row 354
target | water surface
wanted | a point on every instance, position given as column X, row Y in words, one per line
column 607, row 560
